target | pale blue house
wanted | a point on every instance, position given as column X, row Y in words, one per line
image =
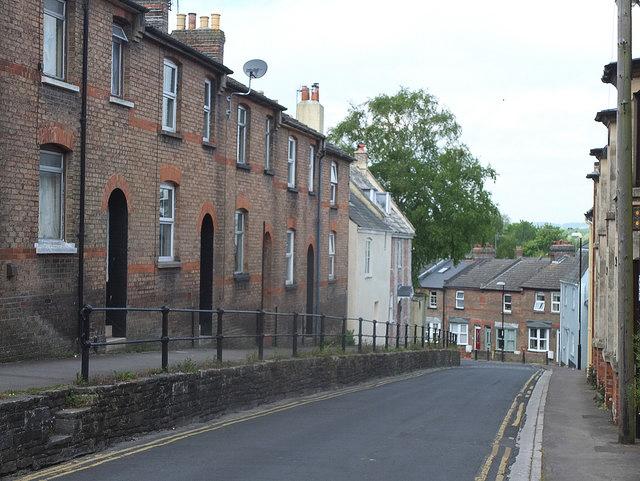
column 573, row 308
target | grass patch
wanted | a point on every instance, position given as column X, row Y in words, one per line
column 33, row 391
column 78, row 400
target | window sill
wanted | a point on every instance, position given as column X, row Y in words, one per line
column 122, row 102
column 459, row 308
column 245, row 167
column 241, row 277
column 312, row 193
column 293, row 190
column 332, row 281
column 333, row 207
column 368, row 276
column 291, row 287
column 168, row 264
column 269, row 172
column 208, row 145
column 55, row 247
column 433, row 307
column 60, row 84
column 537, row 350
column 172, row 135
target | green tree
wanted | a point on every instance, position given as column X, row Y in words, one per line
column 513, row 235
column 417, row 155
column 545, row 236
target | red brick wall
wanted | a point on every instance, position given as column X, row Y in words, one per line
column 125, row 150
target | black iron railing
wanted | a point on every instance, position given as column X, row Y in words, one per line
column 394, row 334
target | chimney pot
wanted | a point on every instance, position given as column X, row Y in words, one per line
column 361, row 147
column 181, row 21
column 304, row 93
column 192, row 21
column 315, row 92
column 204, row 21
column 215, row 21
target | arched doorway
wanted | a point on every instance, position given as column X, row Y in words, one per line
column 309, row 327
column 206, row 274
column 117, row 241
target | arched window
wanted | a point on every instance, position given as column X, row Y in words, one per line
column 239, row 239
column 332, row 255
column 289, row 256
column 167, row 221
column 51, row 195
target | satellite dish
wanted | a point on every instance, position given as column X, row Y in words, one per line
column 255, row 68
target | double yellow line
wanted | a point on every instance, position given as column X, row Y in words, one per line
column 495, row 447
column 97, row 460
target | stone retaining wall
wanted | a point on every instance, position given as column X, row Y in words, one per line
column 36, row 431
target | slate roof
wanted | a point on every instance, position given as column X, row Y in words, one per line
column 362, row 215
column 432, row 278
column 571, row 275
column 395, row 220
column 481, row 273
column 549, row 277
column 518, row 274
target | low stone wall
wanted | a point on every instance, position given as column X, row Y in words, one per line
column 49, row 428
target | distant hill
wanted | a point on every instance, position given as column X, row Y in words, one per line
column 566, row 225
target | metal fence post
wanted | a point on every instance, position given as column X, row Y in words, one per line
column 397, row 336
column 429, row 333
column 260, row 329
column 359, row 334
column 386, row 335
column 523, row 356
column 294, row 338
column 344, row 334
column 165, row 337
column 322, row 320
column 406, row 335
column 487, row 354
column 415, row 334
column 375, row 328
column 219, row 335
column 422, row 333
column 84, row 342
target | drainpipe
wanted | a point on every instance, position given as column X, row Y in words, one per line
column 321, row 154
column 83, row 161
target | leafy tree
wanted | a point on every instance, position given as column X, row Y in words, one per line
column 417, row 155
column 545, row 237
column 513, row 235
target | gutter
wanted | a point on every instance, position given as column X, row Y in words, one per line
column 83, row 162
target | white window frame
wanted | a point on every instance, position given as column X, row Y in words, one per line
column 555, row 302
column 539, row 302
column 367, row 257
column 59, row 171
column 291, row 162
column 433, row 299
column 312, row 167
column 500, row 338
column 168, row 221
column 460, row 300
column 240, row 227
column 289, row 256
column 118, row 40
column 457, row 328
column 61, row 50
column 333, row 184
column 332, row 255
column 399, row 254
column 169, row 96
column 507, row 303
column 241, row 135
column 206, row 111
column 537, row 335
column 268, row 126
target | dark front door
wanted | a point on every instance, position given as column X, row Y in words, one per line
column 310, row 285
column 206, row 274
column 117, row 263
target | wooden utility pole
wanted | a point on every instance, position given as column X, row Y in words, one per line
column 626, row 369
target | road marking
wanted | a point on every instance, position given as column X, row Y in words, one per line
column 503, row 464
column 484, row 471
column 96, row 460
column 516, row 421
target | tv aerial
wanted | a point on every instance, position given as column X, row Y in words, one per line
column 255, row 68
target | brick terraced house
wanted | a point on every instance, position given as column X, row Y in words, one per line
column 194, row 194
column 470, row 299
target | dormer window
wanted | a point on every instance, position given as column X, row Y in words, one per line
column 381, row 199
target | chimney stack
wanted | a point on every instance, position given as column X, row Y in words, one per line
column 483, row 252
column 181, row 21
column 192, row 21
column 561, row 249
column 362, row 158
column 311, row 111
column 158, row 14
column 519, row 252
column 208, row 39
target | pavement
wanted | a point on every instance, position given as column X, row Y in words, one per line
column 439, row 425
column 579, row 441
column 17, row 376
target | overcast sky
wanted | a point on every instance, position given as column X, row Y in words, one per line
column 522, row 78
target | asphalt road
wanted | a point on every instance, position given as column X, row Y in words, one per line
column 438, row 426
